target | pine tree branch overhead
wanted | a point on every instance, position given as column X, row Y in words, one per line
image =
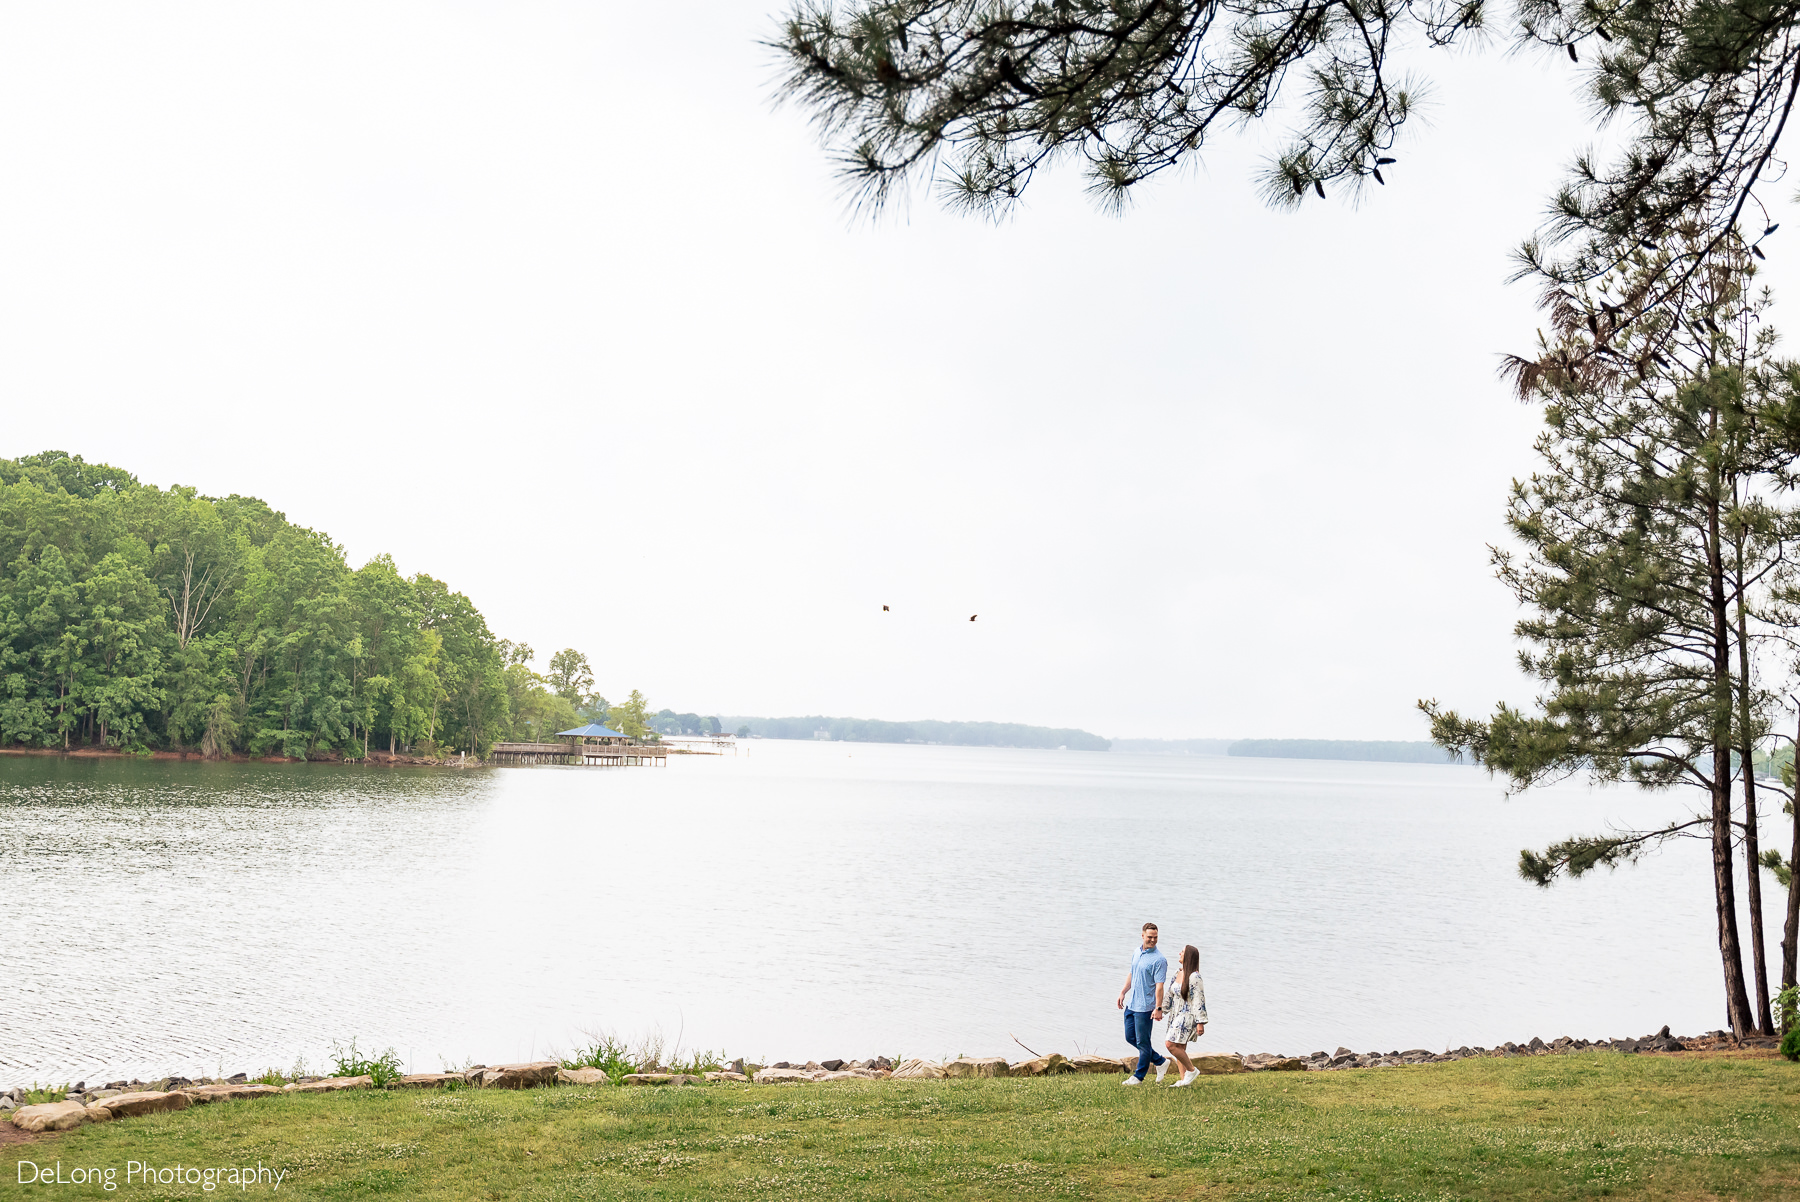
column 982, row 94
column 978, row 96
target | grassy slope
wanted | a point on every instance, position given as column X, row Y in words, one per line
column 1552, row 1128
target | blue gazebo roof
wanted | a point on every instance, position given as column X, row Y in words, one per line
column 592, row 730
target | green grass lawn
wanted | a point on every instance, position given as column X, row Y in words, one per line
column 1552, row 1127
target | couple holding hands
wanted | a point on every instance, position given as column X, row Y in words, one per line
column 1149, row 995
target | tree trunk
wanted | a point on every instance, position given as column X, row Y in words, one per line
column 1753, row 858
column 1731, row 954
column 1737, row 999
column 1759, row 958
column 1790, row 933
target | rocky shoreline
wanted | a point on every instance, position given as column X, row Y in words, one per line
column 122, row 1099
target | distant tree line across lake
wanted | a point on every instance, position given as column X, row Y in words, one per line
column 1292, row 749
column 960, row 734
column 141, row 618
column 1342, row 749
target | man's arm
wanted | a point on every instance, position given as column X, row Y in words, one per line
column 1159, row 997
column 1124, row 990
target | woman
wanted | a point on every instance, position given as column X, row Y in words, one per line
column 1186, row 1006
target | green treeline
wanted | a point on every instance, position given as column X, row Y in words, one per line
column 140, row 618
column 1341, row 749
column 668, row 722
column 962, row 734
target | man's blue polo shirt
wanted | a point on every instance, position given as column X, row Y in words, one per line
column 1149, row 968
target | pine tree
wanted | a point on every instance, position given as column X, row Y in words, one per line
column 1654, row 556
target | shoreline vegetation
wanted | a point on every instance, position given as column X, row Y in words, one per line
column 145, row 620
column 375, row 758
column 1675, row 1125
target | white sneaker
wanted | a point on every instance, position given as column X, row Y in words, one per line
column 1186, row 1079
column 1129, row 1081
column 1161, row 1069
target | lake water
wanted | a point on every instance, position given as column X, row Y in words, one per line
column 804, row 900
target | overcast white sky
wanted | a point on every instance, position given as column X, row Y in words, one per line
column 547, row 300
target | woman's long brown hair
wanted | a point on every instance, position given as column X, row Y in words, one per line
column 1190, row 964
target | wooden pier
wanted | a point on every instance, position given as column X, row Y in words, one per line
column 592, row 755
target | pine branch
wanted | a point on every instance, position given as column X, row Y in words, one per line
column 1580, row 855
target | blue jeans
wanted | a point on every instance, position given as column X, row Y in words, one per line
column 1138, row 1028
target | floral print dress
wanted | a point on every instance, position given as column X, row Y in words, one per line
column 1186, row 1014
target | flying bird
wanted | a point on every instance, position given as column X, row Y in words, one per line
column 884, row 609
column 971, row 617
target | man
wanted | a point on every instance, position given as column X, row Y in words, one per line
column 1142, row 1002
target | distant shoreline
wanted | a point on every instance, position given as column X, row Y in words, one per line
column 1359, row 750
column 923, row 731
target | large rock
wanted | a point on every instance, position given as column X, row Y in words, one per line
column 662, row 1079
column 97, row 1113
column 50, row 1116
column 778, row 1076
column 430, row 1080
column 518, row 1076
column 726, row 1075
column 1287, row 1064
column 1102, row 1064
column 130, row 1105
column 916, row 1070
column 1216, row 1065
column 1043, row 1066
column 976, row 1066
column 331, row 1085
column 584, row 1076
column 203, row 1094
